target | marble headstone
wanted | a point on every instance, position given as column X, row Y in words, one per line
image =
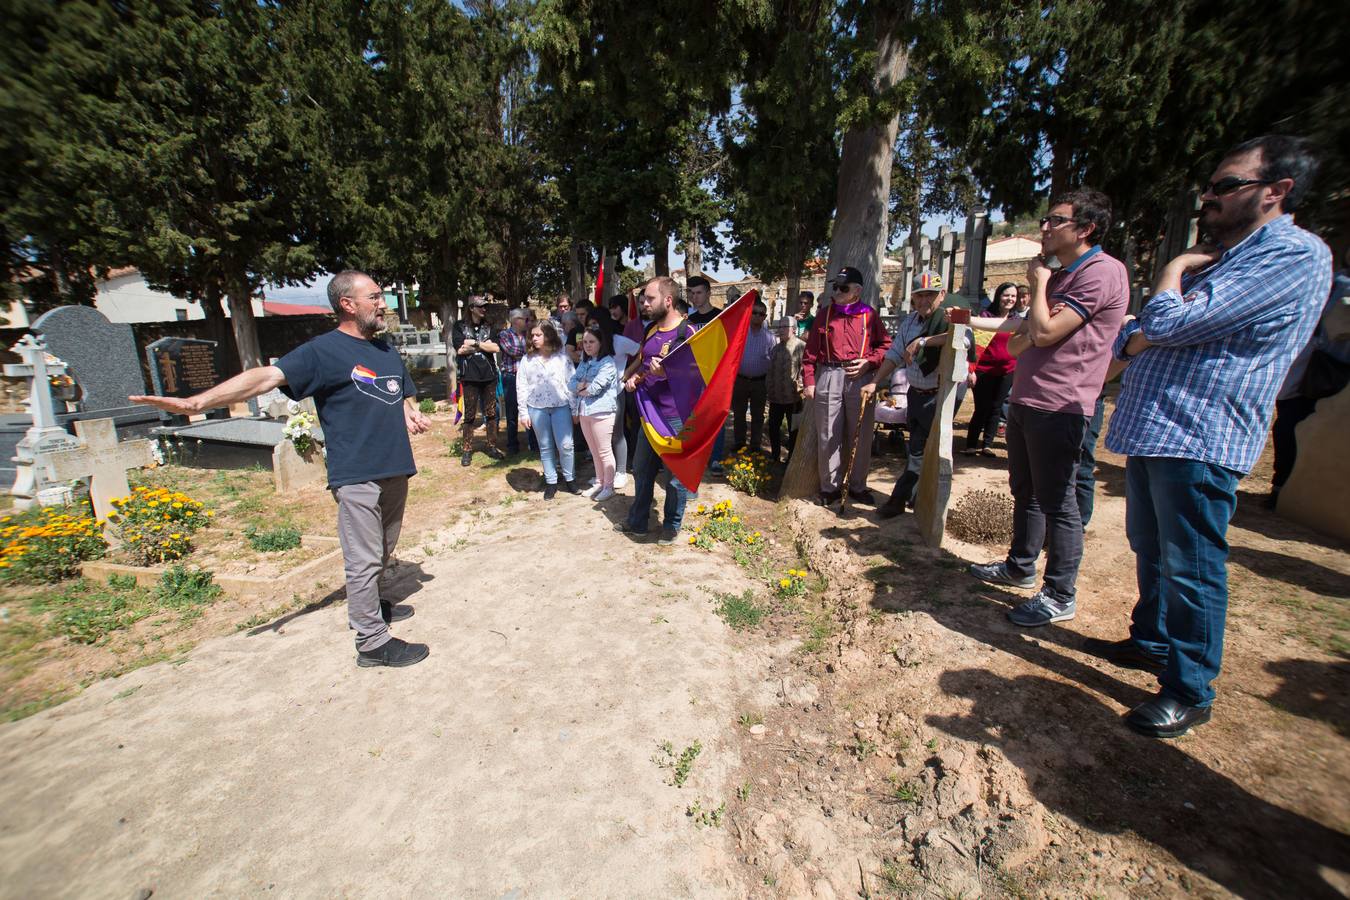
column 101, row 355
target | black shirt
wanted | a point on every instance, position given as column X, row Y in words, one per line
column 478, row 366
column 358, row 387
column 699, row 319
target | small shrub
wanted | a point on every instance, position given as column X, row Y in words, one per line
column 747, row 471
column 156, row 525
column 87, row 612
column 456, row 448
column 722, row 525
column 48, row 544
column 273, row 540
column 680, row 766
column 791, row 585
column 426, row 405
column 739, row 612
column 181, row 587
column 982, row 517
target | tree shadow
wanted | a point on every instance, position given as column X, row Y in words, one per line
column 525, row 479
column 1253, row 515
column 1114, row 782
column 1110, row 478
column 1293, row 570
column 1313, row 689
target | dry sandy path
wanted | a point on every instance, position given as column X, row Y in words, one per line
column 516, row 762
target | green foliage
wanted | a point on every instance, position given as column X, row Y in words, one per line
column 706, row 818
column 181, row 587
column 273, row 540
column 87, row 612
column 680, row 766
column 739, row 612
column 48, row 544
column 426, row 405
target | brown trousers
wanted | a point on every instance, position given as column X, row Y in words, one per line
column 478, row 394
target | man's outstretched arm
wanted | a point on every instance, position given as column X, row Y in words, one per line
column 244, row 386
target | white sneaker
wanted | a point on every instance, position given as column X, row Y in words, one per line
column 620, row 480
column 604, row 495
column 591, row 491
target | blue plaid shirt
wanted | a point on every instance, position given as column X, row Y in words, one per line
column 1206, row 390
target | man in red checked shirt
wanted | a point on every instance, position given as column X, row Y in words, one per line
column 846, row 342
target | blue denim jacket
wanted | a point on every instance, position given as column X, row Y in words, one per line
column 602, row 381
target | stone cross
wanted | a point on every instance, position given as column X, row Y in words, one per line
column 935, row 479
column 32, row 481
column 977, row 237
column 103, row 461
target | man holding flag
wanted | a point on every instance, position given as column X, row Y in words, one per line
column 683, row 383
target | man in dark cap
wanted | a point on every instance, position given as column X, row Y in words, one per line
column 846, row 342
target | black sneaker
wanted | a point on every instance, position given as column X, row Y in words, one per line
column 830, row 498
column 570, row 487
column 391, row 613
column 550, row 491
column 495, row 453
column 668, row 536
column 467, row 458
column 395, row 653
column 997, row 573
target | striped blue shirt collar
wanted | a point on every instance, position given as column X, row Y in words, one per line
column 1084, row 258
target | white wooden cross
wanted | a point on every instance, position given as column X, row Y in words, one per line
column 103, row 460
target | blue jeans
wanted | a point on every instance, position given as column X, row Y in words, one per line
column 644, row 468
column 553, row 428
column 1176, row 517
column 1087, row 462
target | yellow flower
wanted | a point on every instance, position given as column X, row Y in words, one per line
column 176, row 536
column 735, row 520
column 177, row 505
column 210, row 512
column 784, row 583
column 153, row 503
column 693, row 540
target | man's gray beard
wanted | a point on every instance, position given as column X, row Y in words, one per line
column 371, row 327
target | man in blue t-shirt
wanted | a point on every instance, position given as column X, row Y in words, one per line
column 365, row 400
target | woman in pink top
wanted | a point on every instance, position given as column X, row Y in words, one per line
column 993, row 378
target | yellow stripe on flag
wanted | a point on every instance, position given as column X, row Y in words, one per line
column 709, row 346
column 660, row 443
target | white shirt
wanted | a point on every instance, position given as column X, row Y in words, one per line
column 541, row 382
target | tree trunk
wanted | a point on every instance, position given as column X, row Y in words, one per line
column 580, row 281
column 794, row 275
column 860, row 225
column 661, row 254
column 693, row 254
column 240, row 298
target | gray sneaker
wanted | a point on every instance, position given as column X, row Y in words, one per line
column 997, row 573
column 1041, row 609
column 668, row 536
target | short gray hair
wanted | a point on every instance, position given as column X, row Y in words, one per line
column 342, row 285
column 517, row 313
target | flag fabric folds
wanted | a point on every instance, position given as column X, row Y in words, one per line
column 700, row 375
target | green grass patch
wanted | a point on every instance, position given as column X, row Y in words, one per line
column 273, row 540
column 739, row 612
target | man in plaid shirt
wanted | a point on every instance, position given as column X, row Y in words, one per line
column 1207, row 356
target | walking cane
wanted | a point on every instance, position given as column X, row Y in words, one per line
column 853, row 453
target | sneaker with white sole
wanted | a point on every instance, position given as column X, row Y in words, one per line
column 997, row 573
column 1041, row 609
column 620, row 480
column 604, row 494
column 591, row 491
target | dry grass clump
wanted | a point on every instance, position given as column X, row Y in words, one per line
column 982, row 517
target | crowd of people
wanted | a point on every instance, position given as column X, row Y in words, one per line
column 1201, row 367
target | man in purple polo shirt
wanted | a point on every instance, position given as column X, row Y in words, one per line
column 1054, row 393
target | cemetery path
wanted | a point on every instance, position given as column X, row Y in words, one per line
column 516, row 762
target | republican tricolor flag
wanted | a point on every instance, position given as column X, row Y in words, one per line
column 700, row 374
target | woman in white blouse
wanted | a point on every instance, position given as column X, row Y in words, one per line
column 548, row 406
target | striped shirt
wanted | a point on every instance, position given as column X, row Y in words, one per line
column 1206, row 389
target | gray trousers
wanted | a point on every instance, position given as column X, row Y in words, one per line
column 370, row 517
column 837, row 405
column 1043, row 453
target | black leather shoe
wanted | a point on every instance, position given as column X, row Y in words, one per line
column 830, row 498
column 865, row 497
column 394, row 653
column 391, row 613
column 1163, row 717
column 570, row 487
column 550, row 491
column 494, row 452
column 1126, row 654
column 891, row 508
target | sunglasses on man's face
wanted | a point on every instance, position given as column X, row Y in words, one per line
column 1231, row 183
column 1056, row 221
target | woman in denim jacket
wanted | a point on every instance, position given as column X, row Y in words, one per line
column 595, row 384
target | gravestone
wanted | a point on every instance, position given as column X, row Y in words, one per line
column 977, row 237
column 1317, row 493
column 33, row 480
column 935, row 479
column 292, row 470
column 183, row 367
column 101, row 355
column 104, row 461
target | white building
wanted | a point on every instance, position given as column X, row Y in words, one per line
column 124, row 296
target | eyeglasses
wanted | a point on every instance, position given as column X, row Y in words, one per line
column 1056, row 221
column 841, row 288
column 1228, row 185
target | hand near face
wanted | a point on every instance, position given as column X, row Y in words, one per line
column 1193, row 259
column 1037, row 270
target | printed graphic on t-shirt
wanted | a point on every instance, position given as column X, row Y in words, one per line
column 388, row 388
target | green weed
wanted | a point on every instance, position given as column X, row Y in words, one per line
column 739, row 612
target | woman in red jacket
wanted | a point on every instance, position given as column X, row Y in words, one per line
column 993, row 378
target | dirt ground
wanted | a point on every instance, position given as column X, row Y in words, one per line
column 913, row 742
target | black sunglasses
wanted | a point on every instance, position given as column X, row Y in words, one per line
column 1228, row 185
column 1056, row 221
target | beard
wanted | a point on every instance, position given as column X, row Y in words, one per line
column 1217, row 223
column 370, row 324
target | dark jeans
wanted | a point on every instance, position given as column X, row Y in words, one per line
column 990, row 392
column 1043, row 452
column 479, row 395
column 511, row 412
column 1176, row 517
column 748, row 392
column 1087, row 463
column 779, row 413
column 644, row 468
column 1288, row 413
